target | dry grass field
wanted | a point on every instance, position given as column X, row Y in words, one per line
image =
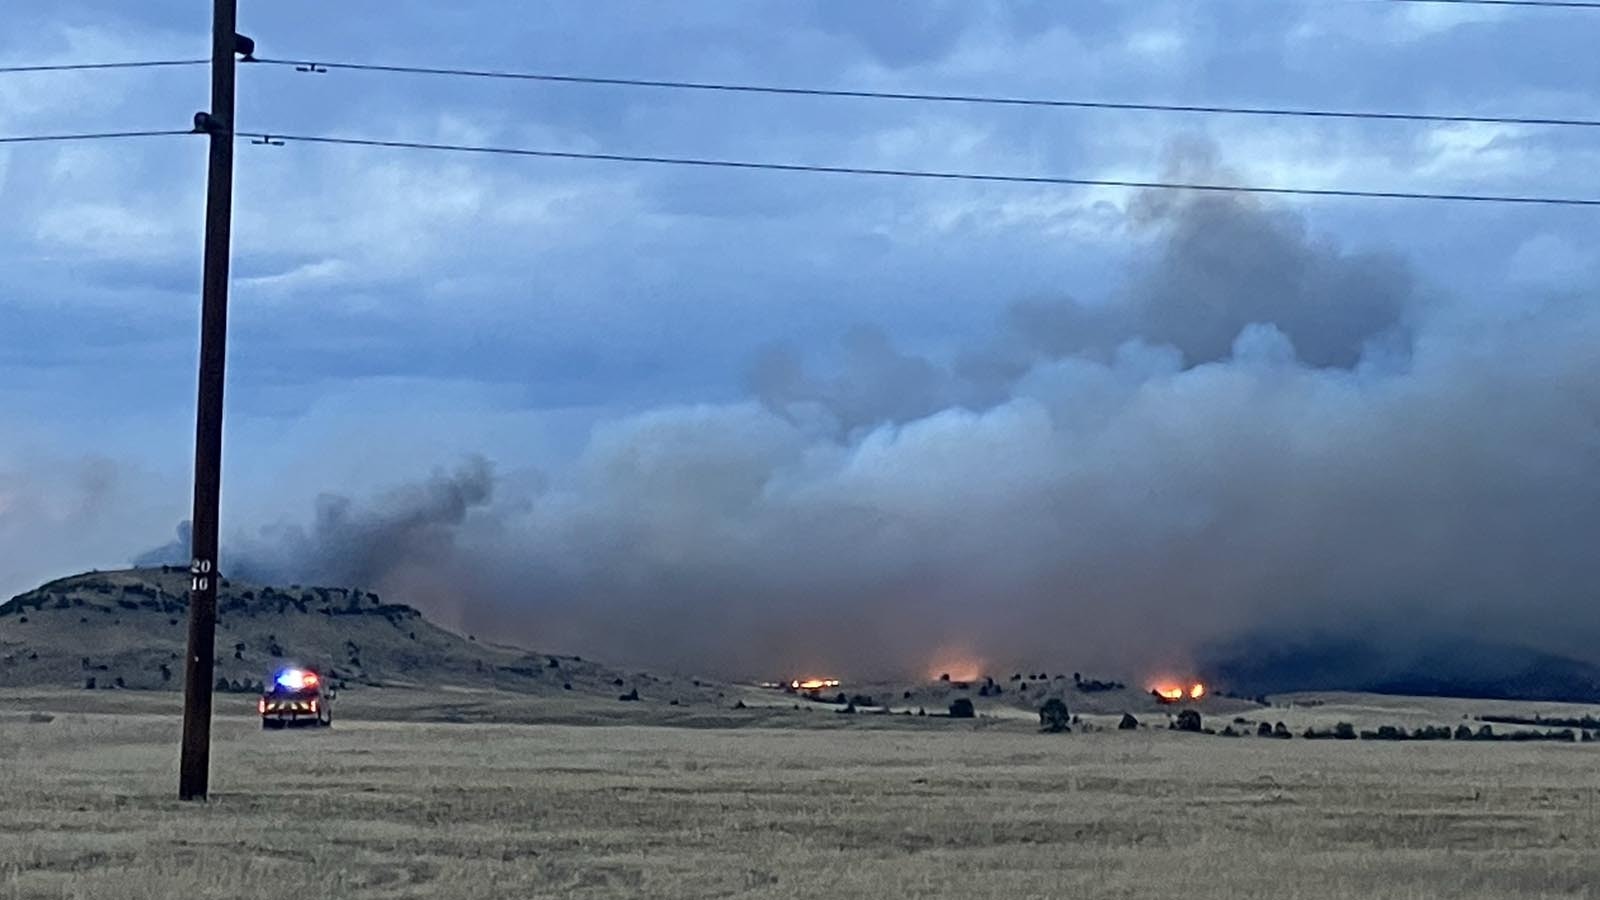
column 869, row 807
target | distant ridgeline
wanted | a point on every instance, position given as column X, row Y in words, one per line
column 129, row 629
column 1433, row 667
column 166, row 590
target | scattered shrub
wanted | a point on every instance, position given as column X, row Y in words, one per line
column 962, row 709
column 1128, row 722
column 740, row 705
column 1053, row 716
column 1584, row 722
column 944, row 676
column 1094, row 686
column 1264, row 730
column 88, row 683
column 1281, row 732
column 1188, row 720
column 630, row 697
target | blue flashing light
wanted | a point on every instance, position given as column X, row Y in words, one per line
column 296, row 679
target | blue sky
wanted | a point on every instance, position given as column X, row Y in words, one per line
column 394, row 312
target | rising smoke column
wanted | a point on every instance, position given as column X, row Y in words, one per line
column 1261, row 431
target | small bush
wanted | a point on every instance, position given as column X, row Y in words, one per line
column 962, row 709
column 1188, row 720
column 1264, row 730
column 1344, row 731
column 1128, row 722
column 1053, row 716
column 630, row 697
column 1281, row 732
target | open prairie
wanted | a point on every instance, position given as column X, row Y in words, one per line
column 577, row 802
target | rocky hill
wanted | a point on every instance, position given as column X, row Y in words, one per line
column 128, row 629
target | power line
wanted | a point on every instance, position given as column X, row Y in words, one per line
column 727, row 87
column 278, row 137
column 98, row 136
column 1553, row 4
column 87, row 67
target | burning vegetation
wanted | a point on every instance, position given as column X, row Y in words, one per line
column 1177, row 693
column 803, row 685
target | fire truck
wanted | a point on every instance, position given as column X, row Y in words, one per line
column 296, row 697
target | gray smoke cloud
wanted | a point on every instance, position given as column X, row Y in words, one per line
column 1261, row 430
column 351, row 544
column 355, row 544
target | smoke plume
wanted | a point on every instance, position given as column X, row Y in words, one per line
column 1261, row 430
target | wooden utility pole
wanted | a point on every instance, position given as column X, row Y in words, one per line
column 199, row 668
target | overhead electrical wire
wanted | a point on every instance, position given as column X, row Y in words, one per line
column 93, row 136
column 978, row 99
column 1553, row 4
column 89, row 67
column 276, row 137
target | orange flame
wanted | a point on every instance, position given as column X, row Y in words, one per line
column 814, row 684
column 1172, row 692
